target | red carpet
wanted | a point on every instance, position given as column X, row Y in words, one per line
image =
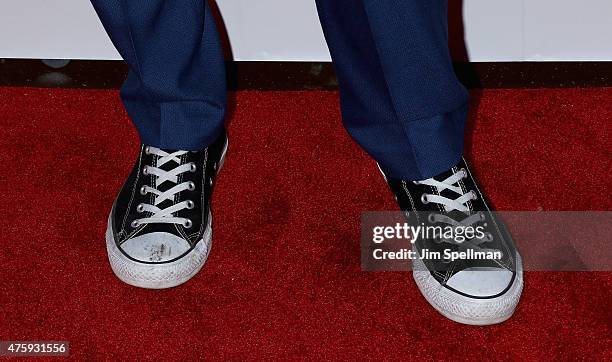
column 283, row 278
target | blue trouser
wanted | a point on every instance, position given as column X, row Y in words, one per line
column 401, row 100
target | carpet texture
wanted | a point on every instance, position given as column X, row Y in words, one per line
column 283, row 278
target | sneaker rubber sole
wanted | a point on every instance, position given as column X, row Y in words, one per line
column 466, row 310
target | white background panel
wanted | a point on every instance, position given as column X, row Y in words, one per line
column 52, row 29
column 274, row 29
column 495, row 30
column 568, row 29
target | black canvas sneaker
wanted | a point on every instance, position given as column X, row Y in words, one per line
column 484, row 284
column 159, row 229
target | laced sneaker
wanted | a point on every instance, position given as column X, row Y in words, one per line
column 159, row 229
column 467, row 290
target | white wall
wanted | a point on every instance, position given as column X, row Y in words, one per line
column 495, row 30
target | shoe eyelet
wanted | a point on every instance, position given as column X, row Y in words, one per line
column 474, row 196
column 143, row 190
column 464, row 172
column 187, row 224
column 140, row 208
column 147, row 150
column 190, row 204
column 135, row 224
column 210, row 181
column 191, row 186
column 215, row 166
column 192, row 167
column 424, row 199
column 145, row 170
column 431, row 219
column 482, row 216
column 416, row 182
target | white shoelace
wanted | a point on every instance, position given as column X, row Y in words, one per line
column 459, row 204
column 166, row 215
column 451, row 183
